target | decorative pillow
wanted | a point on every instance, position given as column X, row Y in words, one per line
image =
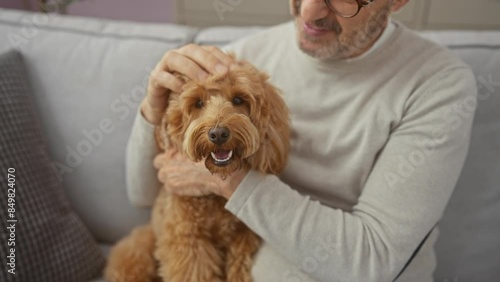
column 42, row 239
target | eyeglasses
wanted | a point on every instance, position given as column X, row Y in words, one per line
column 347, row 8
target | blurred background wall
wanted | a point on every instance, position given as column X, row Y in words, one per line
column 12, row 4
column 418, row 14
column 133, row 10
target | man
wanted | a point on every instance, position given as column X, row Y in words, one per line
column 380, row 133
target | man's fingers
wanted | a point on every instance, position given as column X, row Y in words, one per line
column 183, row 186
column 174, row 61
column 171, row 160
column 171, row 153
column 159, row 161
column 206, row 59
column 182, row 178
column 223, row 57
column 194, row 61
column 161, row 79
column 175, row 155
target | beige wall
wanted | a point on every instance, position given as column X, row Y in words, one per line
column 451, row 14
column 419, row 14
column 160, row 11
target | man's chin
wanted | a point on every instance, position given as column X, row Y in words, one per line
column 318, row 50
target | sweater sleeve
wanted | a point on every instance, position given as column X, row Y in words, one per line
column 142, row 181
column 403, row 198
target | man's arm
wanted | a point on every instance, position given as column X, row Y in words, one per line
column 398, row 205
column 142, row 183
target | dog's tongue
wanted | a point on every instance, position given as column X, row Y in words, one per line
column 221, row 155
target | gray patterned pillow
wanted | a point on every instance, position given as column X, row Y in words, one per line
column 41, row 238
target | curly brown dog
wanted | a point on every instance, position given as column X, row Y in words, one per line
column 229, row 121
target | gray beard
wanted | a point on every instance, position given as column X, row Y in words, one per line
column 351, row 47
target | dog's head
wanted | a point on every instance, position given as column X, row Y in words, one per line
column 231, row 121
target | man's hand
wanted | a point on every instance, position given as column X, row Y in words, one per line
column 194, row 61
column 183, row 177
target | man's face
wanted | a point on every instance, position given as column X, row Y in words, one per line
column 324, row 35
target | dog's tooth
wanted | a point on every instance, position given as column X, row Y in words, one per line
column 228, row 156
column 222, row 160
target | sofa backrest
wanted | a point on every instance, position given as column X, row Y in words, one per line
column 89, row 76
column 469, row 244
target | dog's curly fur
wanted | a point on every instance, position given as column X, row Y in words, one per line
column 194, row 239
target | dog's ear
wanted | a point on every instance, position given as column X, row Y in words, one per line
column 272, row 155
column 173, row 122
column 171, row 129
column 166, row 134
column 162, row 135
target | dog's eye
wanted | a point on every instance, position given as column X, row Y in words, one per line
column 199, row 104
column 237, row 101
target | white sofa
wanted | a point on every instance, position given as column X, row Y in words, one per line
column 89, row 76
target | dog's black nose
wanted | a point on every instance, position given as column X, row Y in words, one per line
column 218, row 135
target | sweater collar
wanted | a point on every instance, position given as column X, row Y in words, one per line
column 389, row 34
column 384, row 37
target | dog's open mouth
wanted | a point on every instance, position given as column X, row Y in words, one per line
column 222, row 157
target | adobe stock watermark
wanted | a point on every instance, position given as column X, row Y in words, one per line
column 321, row 253
column 223, row 6
column 28, row 31
column 453, row 118
column 92, row 138
column 31, row 25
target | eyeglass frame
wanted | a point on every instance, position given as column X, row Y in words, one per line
column 361, row 4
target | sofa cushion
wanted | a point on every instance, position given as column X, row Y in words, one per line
column 47, row 241
column 223, row 35
column 89, row 76
column 468, row 248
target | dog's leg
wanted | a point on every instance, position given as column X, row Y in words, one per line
column 239, row 261
column 188, row 258
column 131, row 259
